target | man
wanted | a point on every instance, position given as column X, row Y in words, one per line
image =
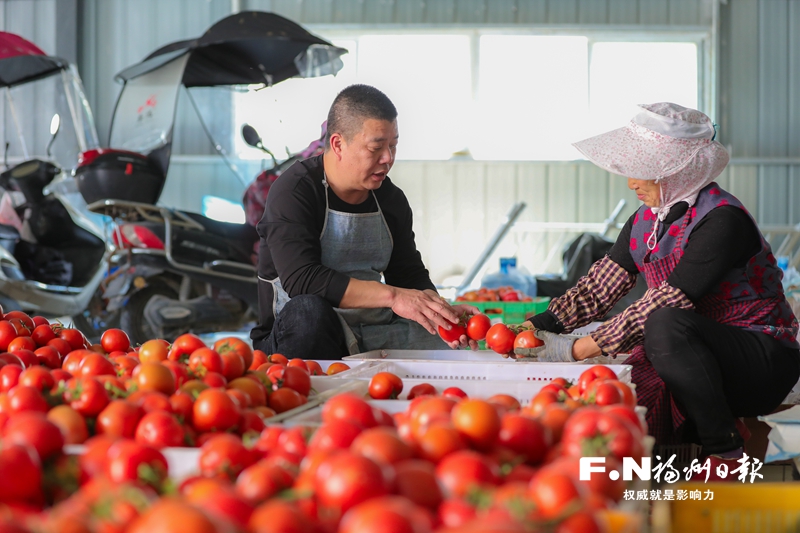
column 333, row 226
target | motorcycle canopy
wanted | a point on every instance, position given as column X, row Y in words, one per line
column 251, row 47
column 38, row 86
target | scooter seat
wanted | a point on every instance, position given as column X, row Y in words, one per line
column 241, row 235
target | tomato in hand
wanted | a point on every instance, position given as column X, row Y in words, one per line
column 527, row 340
column 478, row 326
column 500, row 339
column 454, row 333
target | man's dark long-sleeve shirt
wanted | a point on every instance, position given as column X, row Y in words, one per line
column 290, row 231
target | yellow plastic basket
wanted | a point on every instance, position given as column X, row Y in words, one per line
column 739, row 508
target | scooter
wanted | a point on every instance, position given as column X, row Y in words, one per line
column 182, row 271
column 53, row 253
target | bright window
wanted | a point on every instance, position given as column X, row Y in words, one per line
column 491, row 96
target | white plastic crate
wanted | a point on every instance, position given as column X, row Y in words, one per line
column 480, row 371
column 485, row 356
column 181, row 462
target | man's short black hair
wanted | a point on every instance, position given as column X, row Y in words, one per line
column 353, row 106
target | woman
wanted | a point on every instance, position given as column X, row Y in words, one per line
column 713, row 338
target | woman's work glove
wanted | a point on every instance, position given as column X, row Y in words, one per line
column 556, row 349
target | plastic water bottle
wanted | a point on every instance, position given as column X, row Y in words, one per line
column 791, row 277
column 507, row 276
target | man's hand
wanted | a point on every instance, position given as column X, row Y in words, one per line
column 556, row 349
column 464, row 341
column 426, row 308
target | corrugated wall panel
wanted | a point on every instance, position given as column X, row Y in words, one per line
column 623, row 12
column 653, row 12
column 501, row 12
column 773, row 88
column 739, row 83
column 592, row 11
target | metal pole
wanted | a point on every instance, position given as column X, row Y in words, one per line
column 505, row 225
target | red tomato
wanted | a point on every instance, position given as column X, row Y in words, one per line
column 23, row 317
column 48, row 356
column 478, row 326
column 130, row 461
column 236, row 345
column 119, row 419
column 23, row 398
column 593, row 373
column 27, row 357
column 22, row 343
column 602, row 392
column 22, row 474
column 255, row 391
column 7, row 334
column 524, row 436
column 478, row 421
column 70, row 422
column 279, row 516
column 285, row 399
column 60, row 345
column 74, row 337
column 9, row 377
column 261, row 481
column 553, row 492
column 205, row 360
column 605, row 433
column 454, row 333
column 500, row 339
column 416, row 480
column 42, row 334
column 37, row 377
column 113, row 340
column 154, row 377
column 224, row 455
column 214, row 411
column 382, row 445
column 527, row 340
column 179, row 371
column 183, row 347
column 454, row 392
column 233, row 365
column 169, row 514
column 438, row 440
column 292, row 377
column 345, row 479
column 455, row 513
column 159, row 429
column 465, row 470
column 86, row 395
column 385, row 386
column 34, row 430
column 385, row 514
column 95, row 364
column 349, row 407
column 154, row 351
column 423, row 389
column 335, row 435
column 215, row 380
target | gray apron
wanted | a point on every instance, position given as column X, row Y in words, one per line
column 360, row 246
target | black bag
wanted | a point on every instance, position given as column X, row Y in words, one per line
column 44, row 264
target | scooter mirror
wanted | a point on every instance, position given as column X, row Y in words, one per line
column 55, row 124
column 251, row 136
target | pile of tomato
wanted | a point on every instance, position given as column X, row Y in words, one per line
column 500, row 294
column 446, row 463
column 501, row 338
